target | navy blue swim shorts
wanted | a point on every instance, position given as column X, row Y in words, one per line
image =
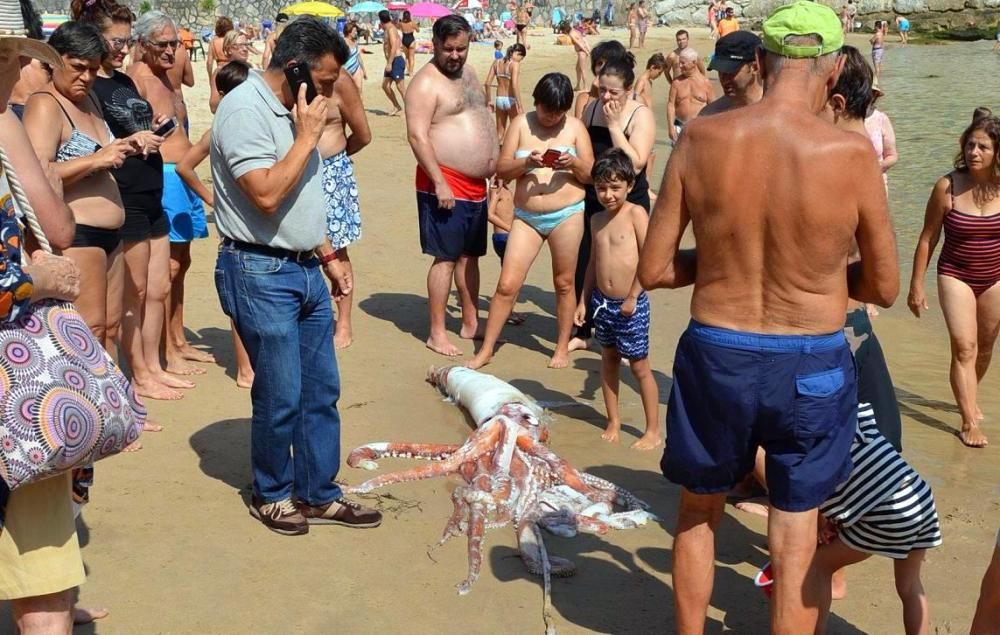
column 794, row 396
column 628, row 334
column 451, row 233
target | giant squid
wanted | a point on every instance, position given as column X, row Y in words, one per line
column 510, row 477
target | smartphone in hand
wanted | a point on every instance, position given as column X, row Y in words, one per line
column 169, row 126
column 550, row 156
column 298, row 75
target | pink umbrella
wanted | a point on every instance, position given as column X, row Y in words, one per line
column 397, row 6
column 429, row 10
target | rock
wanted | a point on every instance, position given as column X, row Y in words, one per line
column 909, row 6
column 945, row 5
column 973, row 4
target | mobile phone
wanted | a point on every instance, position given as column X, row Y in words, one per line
column 298, row 75
column 166, row 128
column 550, row 157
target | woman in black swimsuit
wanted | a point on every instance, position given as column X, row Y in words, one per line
column 408, row 27
column 614, row 120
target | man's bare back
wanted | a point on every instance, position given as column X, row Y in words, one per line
column 158, row 91
column 691, row 95
column 774, row 218
column 462, row 132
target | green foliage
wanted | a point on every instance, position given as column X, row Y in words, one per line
column 145, row 6
column 207, row 6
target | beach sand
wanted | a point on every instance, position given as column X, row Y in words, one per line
column 170, row 548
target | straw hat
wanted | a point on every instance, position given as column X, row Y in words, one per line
column 14, row 35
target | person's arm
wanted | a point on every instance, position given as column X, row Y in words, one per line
column 491, row 212
column 191, row 160
column 264, row 178
column 354, row 115
column 672, row 112
column 701, row 67
column 361, row 61
column 639, row 142
column 937, row 206
column 188, row 78
column 419, row 112
column 39, row 114
column 515, row 87
column 210, row 59
column 890, row 156
column 662, row 263
column 589, row 280
column 875, row 278
column 265, row 59
column 490, row 77
column 640, row 224
column 214, row 97
column 41, row 184
column 581, row 105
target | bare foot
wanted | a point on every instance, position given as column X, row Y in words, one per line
column 839, row 586
column 193, row 354
column 648, row 441
column 244, row 380
column 443, row 347
column 156, row 390
column 611, row 432
column 481, row 359
column 579, row 344
column 559, row 360
column 756, row 509
column 135, row 446
column 472, row 334
column 395, row 113
column 151, row 426
column 515, row 319
column 181, row 367
column 973, row 436
column 872, row 310
column 172, row 381
column 342, row 339
column 86, row 616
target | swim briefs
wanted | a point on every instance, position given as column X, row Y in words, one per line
column 460, row 231
column 794, row 396
column 500, row 244
column 183, row 207
column 628, row 334
column 397, row 70
column 90, row 236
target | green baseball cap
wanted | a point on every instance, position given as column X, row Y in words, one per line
column 803, row 18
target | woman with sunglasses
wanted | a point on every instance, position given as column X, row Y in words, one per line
column 235, row 46
column 140, row 185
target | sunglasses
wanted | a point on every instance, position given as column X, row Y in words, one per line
column 173, row 44
column 117, row 43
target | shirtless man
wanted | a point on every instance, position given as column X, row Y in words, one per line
column 735, row 61
column 181, row 74
column 689, row 93
column 454, row 139
column 674, row 57
column 643, row 91
column 159, row 42
column 582, row 50
column 395, row 62
column 280, row 21
column 754, row 195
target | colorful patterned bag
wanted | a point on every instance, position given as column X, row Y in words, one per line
column 63, row 401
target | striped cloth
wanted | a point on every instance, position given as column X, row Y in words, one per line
column 884, row 507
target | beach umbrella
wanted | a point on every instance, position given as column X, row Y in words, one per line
column 367, row 7
column 51, row 22
column 318, row 9
column 397, row 6
column 429, row 10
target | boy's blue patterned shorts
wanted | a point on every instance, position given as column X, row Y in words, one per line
column 629, row 334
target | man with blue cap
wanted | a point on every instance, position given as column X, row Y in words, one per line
column 775, row 197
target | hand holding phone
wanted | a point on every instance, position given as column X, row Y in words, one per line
column 297, row 75
column 550, row 156
column 168, row 126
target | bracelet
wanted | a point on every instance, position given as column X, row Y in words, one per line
column 330, row 257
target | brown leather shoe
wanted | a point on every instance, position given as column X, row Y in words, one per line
column 341, row 512
column 280, row 517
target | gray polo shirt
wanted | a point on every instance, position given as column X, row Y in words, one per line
column 252, row 131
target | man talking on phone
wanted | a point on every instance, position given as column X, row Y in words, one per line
column 271, row 213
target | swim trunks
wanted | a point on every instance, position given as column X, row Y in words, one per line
column 794, row 396
column 398, row 69
column 904, row 25
column 460, row 231
column 628, row 334
column 500, row 244
column 877, row 54
column 183, row 207
column 343, row 213
column 144, row 217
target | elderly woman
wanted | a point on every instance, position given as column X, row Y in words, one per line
column 614, row 120
column 40, row 559
column 67, row 128
column 235, row 46
column 965, row 203
column 548, row 153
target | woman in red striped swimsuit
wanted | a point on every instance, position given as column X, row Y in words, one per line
column 966, row 204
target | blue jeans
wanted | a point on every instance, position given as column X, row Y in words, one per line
column 282, row 313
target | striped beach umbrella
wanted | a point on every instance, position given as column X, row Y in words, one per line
column 51, row 22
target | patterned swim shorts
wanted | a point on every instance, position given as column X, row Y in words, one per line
column 343, row 214
column 629, row 334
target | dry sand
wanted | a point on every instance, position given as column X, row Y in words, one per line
column 170, row 547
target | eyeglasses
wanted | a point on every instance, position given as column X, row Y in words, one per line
column 117, row 43
column 173, row 44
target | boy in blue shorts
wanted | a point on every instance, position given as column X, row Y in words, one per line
column 620, row 306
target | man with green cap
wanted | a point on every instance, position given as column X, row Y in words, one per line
column 774, row 195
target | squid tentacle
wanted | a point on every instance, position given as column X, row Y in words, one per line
column 365, row 456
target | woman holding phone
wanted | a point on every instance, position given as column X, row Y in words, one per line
column 146, row 251
column 549, row 154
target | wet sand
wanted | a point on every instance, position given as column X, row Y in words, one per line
column 170, row 547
